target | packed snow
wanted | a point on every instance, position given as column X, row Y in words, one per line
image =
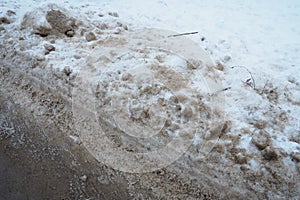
column 255, row 45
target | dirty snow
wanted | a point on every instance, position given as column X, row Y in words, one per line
column 255, row 43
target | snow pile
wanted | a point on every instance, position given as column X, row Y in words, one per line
column 254, row 142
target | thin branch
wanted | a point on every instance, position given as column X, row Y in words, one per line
column 262, row 91
column 181, row 34
column 253, row 81
column 222, row 90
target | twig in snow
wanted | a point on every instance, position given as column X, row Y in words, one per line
column 245, row 46
column 181, row 34
column 247, row 81
column 262, row 91
column 222, row 90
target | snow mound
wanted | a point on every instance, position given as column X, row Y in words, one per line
column 254, row 148
column 50, row 19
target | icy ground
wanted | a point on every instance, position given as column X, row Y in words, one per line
column 255, row 44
